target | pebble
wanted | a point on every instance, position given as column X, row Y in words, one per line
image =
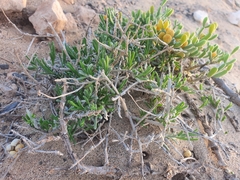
column 4, row 66
column 19, row 147
column 9, row 147
column 200, row 15
column 15, row 142
column 187, row 153
column 13, row 153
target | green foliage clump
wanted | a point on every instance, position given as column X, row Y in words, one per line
column 146, row 52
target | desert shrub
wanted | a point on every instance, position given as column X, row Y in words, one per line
column 146, row 52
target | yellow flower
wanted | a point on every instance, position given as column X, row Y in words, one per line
column 166, row 24
column 214, row 54
column 159, row 25
column 167, row 38
column 105, row 17
column 161, row 35
column 170, row 32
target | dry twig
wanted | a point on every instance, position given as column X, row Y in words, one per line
column 234, row 97
column 203, row 119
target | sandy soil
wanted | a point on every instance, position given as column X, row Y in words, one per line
column 48, row 166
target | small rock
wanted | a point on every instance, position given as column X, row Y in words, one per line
column 13, row 154
column 19, row 147
column 200, row 15
column 9, row 147
column 8, row 90
column 85, row 15
column 187, row 153
column 234, row 18
column 71, row 25
column 15, row 142
column 4, row 88
column 49, row 11
column 4, row 66
column 13, row 5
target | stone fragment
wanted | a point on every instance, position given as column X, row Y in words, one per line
column 4, row 66
column 71, row 25
column 15, row 142
column 234, row 18
column 187, row 153
column 49, row 11
column 13, row 154
column 13, row 5
column 8, row 90
column 85, row 16
column 200, row 15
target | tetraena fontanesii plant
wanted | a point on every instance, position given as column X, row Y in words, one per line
column 146, row 52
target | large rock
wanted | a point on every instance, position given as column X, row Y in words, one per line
column 71, row 25
column 49, row 11
column 13, row 5
column 86, row 16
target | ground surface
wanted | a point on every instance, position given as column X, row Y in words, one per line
column 48, row 166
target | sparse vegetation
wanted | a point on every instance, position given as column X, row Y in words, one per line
column 145, row 53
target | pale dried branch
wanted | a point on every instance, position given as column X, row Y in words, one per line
column 213, row 145
column 234, row 121
column 24, row 69
column 234, row 97
column 63, row 124
column 89, row 151
column 62, row 95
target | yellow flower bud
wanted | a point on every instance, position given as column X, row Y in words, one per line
column 167, row 38
column 105, row 17
column 184, row 44
column 184, row 38
column 214, row 54
column 180, row 54
column 212, row 28
column 161, row 35
column 166, row 24
column 159, row 25
column 170, row 32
